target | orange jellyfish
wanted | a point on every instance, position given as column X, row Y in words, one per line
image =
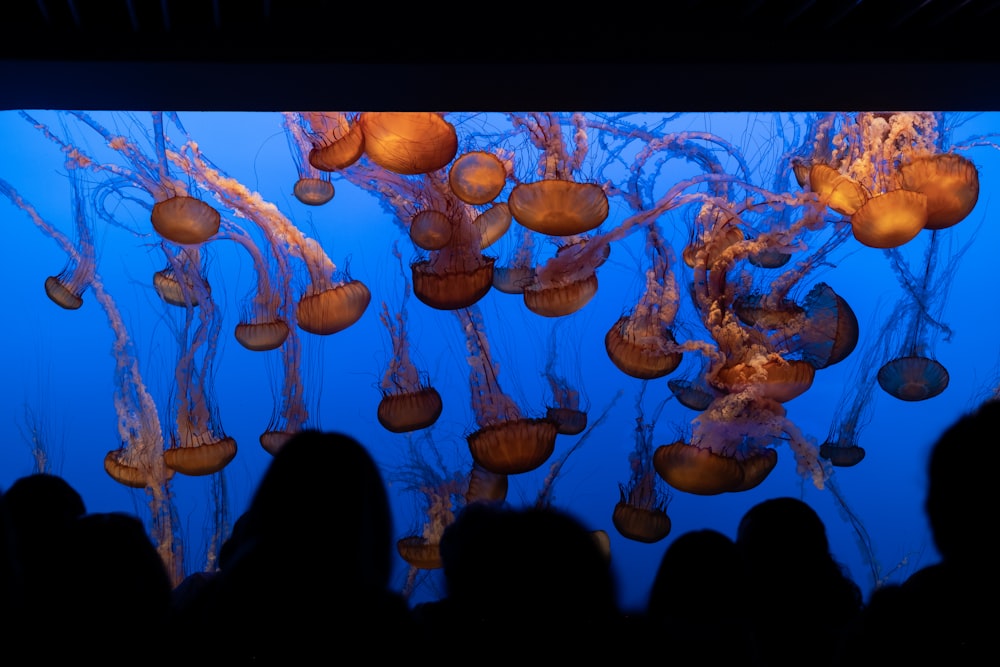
column 566, row 411
column 505, row 442
column 641, row 512
column 408, row 143
column 442, row 493
column 262, row 325
column 558, row 205
column 291, row 411
column 176, row 215
column 512, row 277
column 485, row 486
column 332, row 300
column 949, row 181
column 313, row 186
column 201, row 447
column 408, row 403
column 333, row 140
column 477, row 177
column 641, row 343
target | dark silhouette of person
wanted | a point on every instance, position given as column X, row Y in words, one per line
column 11, row 580
column 533, row 581
column 41, row 509
column 799, row 599
column 696, row 602
column 112, row 595
column 944, row 613
column 308, row 579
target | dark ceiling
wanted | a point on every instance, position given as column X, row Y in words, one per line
column 685, row 55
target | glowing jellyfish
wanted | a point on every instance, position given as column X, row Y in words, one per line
column 477, row 177
column 334, row 141
column 505, row 442
column 408, row 143
column 180, row 292
column 313, row 186
column 262, row 325
column 566, row 282
column 493, row 223
column 558, row 205
column 949, row 181
column 332, row 300
column 641, row 512
column 408, row 402
column 641, row 342
column 890, row 219
column 430, row 230
column 841, row 193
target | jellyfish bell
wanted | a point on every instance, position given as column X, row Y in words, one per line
column 452, row 288
column 776, row 379
column 477, row 177
column 839, row 192
column 841, row 456
column 485, row 486
column 202, row 459
column 769, row 258
column 169, row 288
column 640, row 524
column 334, row 309
column 719, row 243
column 118, row 467
column 641, row 350
column 406, row 411
column 493, row 223
column 342, row 151
column 262, row 336
column 559, row 299
column 559, row 207
column 913, row 378
column 692, row 469
column 274, row 440
column 408, row 143
column 313, row 191
column 949, row 181
column 62, row 294
column 890, row 219
column 513, row 279
column 830, row 331
column 568, row 421
column 185, row 220
column 690, row 394
column 419, row 552
column 430, row 229
column 754, row 310
column 513, row 446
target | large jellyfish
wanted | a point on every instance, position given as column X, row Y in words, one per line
column 641, row 512
column 505, row 442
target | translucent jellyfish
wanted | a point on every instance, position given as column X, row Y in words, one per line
column 641, row 342
column 558, row 204
column 332, row 300
column 291, row 411
column 408, row 143
column 334, row 140
column 512, row 277
column 313, row 186
column 485, row 486
column 263, row 325
column 949, row 181
column 641, row 512
column 409, row 402
column 505, row 441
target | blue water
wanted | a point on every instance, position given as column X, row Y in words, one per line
column 59, row 365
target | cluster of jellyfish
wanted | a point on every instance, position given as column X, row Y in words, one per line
column 739, row 298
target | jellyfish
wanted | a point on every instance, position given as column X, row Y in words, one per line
column 911, row 372
column 409, row 402
column 335, row 140
column 442, row 494
column 408, row 143
column 291, row 411
column 566, row 411
column 313, row 187
column 519, row 273
column 641, row 512
column 557, row 204
column 332, row 300
column 505, row 442
column 477, row 177
column 641, row 342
